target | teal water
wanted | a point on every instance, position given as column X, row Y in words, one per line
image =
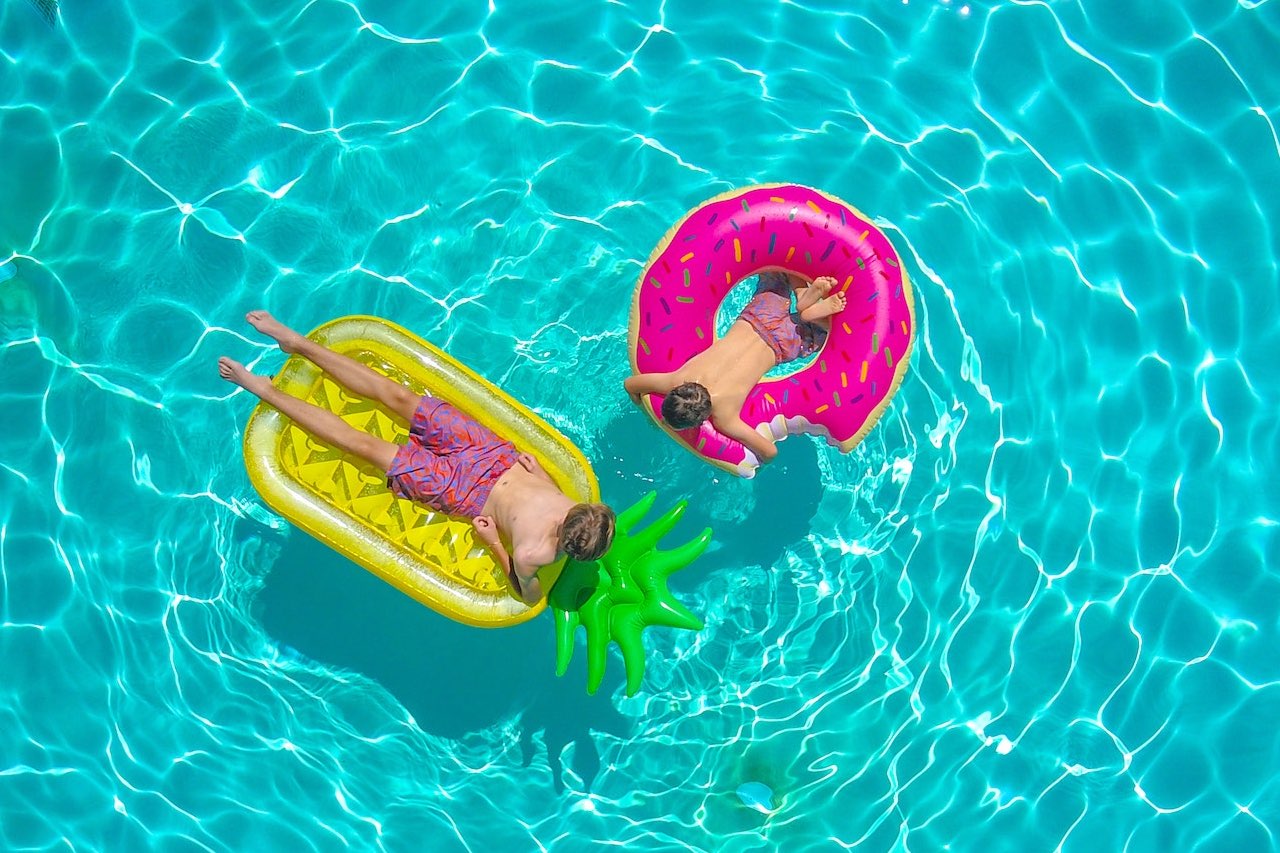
column 1035, row 610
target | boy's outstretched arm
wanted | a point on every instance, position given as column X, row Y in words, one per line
column 737, row 429
column 648, row 383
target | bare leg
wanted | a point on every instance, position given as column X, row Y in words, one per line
column 350, row 373
column 809, row 296
column 323, row 424
column 821, row 312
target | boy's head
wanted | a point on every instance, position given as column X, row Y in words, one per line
column 587, row 531
column 686, row 406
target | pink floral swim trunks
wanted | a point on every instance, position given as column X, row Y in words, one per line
column 451, row 461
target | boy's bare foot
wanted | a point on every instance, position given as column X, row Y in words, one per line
column 828, row 307
column 287, row 338
column 807, row 297
column 237, row 374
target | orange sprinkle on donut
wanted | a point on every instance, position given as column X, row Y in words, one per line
column 863, row 377
column 685, row 258
column 814, row 205
column 737, row 250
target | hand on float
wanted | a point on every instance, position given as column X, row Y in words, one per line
column 485, row 528
column 530, row 463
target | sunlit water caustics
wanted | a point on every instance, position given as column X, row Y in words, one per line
column 1036, row 609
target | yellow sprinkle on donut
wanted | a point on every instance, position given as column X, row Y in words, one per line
column 686, row 258
column 814, row 205
column 864, row 234
column 737, row 250
column 769, row 398
column 862, row 378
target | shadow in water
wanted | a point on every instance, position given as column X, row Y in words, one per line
column 454, row 679
column 754, row 521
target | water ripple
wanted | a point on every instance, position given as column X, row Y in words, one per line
column 1033, row 610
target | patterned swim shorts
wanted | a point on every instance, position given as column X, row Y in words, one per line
column 769, row 314
column 451, row 461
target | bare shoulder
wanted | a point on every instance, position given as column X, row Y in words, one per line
column 727, row 420
column 531, row 556
column 726, row 409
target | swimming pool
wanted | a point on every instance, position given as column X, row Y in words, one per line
column 1036, row 609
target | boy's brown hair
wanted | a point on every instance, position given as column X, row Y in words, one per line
column 587, row 531
column 686, row 406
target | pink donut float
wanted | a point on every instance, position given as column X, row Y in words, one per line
column 842, row 394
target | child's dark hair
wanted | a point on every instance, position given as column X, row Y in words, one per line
column 587, row 531
column 686, row 406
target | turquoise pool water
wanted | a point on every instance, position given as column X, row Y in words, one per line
column 1035, row 610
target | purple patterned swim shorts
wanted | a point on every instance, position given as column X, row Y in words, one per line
column 451, row 461
column 769, row 314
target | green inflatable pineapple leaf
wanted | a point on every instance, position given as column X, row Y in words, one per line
column 616, row 597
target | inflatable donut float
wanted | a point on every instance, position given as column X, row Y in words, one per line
column 805, row 232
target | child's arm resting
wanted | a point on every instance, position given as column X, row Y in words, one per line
column 648, row 383
column 523, row 576
column 487, row 532
column 525, row 579
column 530, row 463
column 762, row 447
